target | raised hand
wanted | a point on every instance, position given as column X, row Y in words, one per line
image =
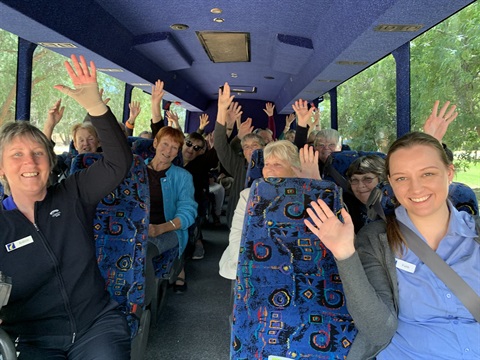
column 437, row 122
column 203, row 121
column 234, row 114
column 309, row 164
column 157, row 96
column 86, row 91
column 55, row 114
column 245, row 128
column 106, row 100
column 289, row 119
column 269, row 107
column 224, row 101
column 135, row 109
column 301, row 110
column 338, row 237
column 172, row 119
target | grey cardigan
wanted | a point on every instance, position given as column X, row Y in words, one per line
column 369, row 280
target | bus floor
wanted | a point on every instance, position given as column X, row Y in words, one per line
column 195, row 324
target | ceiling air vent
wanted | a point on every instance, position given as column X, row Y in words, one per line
column 398, row 27
column 224, row 47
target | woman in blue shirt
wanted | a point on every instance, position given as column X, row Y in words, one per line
column 401, row 308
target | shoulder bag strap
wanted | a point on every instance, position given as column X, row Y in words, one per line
column 444, row 272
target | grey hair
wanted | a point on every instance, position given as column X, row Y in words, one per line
column 329, row 134
column 283, row 150
column 254, row 137
column 12, row 130
column 368, row 164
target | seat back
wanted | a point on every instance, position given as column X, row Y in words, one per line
column 2, row 192
column 382, row 199
column 121, row 232
column 255, row 167
column 338, row 163
column 143, row 147
column 289, row 299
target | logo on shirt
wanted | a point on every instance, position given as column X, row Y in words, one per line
column 55, row 213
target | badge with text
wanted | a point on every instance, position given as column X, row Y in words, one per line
column 406, row 266
column 19, row 243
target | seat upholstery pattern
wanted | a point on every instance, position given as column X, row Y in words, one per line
column 289, row 298
column 143, row 148
column 120, row 234
column 163, row 263
column 255, row 167
column 463, row 198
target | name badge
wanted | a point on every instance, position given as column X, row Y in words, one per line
column 406, row 266
column 19, row 243
column 275, row 357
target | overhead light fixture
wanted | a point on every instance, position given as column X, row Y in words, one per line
column 398, row 27
column 219, row 20
column 242, row 89
column 233, row 75
column 140, row 84
column 225, row 46
column 356, row 63
column 110, row 70
column 216, row 11
column 179, row 27
column 58, row 45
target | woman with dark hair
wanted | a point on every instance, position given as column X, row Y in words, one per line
column 363, row 175
column 401, row 308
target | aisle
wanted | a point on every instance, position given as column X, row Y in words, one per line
column 194, row 325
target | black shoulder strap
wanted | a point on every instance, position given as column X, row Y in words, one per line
column 444, row 272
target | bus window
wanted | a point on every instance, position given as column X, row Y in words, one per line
column 8, row 74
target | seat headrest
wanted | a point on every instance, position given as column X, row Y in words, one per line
column 255, row 167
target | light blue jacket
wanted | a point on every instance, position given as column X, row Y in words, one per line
column 178, row 201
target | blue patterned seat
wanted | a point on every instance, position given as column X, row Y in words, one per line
column 289, row 299
column 338, row 163
column 255, row 167
column 143, row 148
column 120, row 234
column 382, row 199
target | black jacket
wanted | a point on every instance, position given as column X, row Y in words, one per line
column 57, row 287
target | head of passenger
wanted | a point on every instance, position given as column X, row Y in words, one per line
column 145, row 134
column 280, row 159
column 26, row 159
column 266, row 134
column 167, row 143
column 419, row 172
column 290, row 135
column 326, row 142
column 193, row 146
column 85, row 138
column 364, row 174
column 251, row 142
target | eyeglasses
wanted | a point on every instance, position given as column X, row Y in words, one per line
column 195, row 147
column 330, row 146
column 366, row 180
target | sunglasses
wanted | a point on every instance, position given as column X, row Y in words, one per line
column 195, row 147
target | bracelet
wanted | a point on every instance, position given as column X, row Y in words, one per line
column 174, row 226
column 129, row 126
